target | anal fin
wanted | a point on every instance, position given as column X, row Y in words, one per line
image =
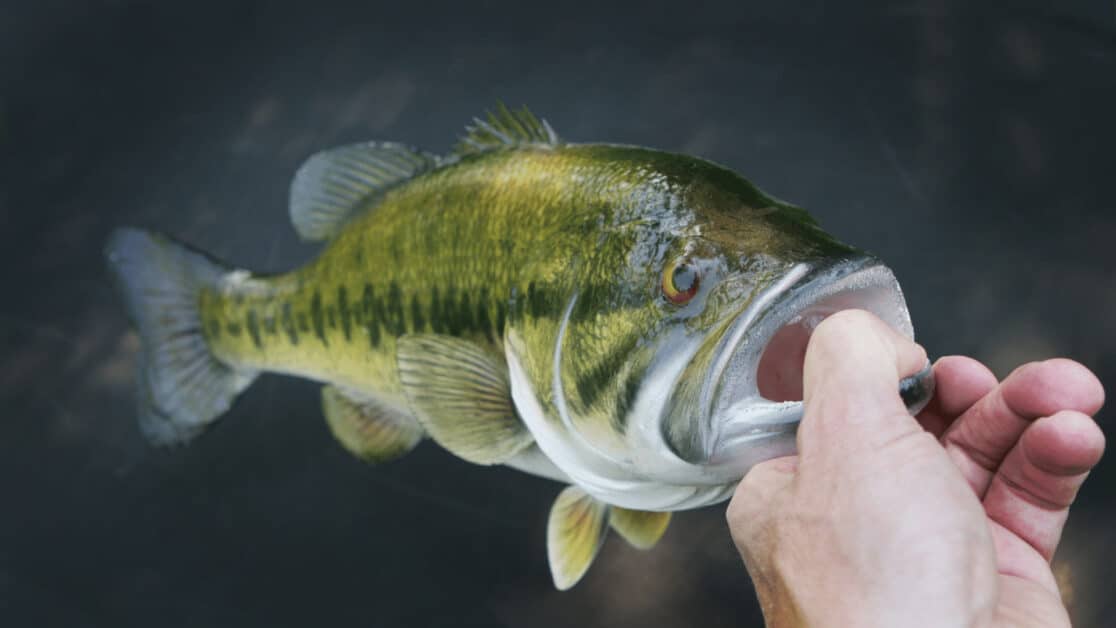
column 460, row 394
column 368, row 428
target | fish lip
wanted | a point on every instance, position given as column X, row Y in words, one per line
column 732, row 376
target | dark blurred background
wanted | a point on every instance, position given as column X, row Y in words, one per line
column 969, row 144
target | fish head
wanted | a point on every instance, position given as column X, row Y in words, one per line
column 688, row 367
column 737, row 400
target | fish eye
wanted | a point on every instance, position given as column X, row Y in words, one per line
column 680, row 282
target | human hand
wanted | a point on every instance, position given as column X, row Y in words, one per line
column 950, row 520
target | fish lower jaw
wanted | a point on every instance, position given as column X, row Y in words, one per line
column 753, row 430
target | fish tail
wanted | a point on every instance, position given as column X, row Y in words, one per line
column 182, row 387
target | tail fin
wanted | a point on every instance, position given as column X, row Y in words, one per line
column 182, row 387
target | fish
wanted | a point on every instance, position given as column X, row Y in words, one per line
column 628, row 322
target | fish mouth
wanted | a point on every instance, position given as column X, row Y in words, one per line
column 753, row 397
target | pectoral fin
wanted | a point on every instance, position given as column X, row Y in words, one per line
column 640, row 528
column 460, row 394
column 574, row 533
column 369, row 429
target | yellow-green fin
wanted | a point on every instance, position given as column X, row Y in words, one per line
column 505, row 128
column 642, row 529
column 460, row 394
column 331, row 185
column 574, row 534
column 369, row 429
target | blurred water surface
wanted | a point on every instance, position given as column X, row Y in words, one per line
column 970, row 145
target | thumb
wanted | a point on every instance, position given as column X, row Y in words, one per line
column 854, row 362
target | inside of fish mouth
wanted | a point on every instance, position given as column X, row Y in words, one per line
column 780, row 369
column 779, row 375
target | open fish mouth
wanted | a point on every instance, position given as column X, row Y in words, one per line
column 753, row 399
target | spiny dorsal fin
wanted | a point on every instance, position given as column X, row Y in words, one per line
column 370, row 430
column 642, row 529
column 461, row 395
column 332, row 184
column 575, row 532
column 505, row 128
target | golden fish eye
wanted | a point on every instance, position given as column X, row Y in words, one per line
column 680, row 282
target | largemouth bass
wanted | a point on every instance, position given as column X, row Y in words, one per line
column 627, row 321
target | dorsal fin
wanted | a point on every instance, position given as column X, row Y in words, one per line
column 505, row 128
column 332, row 184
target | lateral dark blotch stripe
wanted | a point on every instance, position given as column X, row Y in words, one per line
column 368, row 312
column 501, row 317
column 343, row 312
column 287, row 320
column 269, row 323
column 303, row 323
column 437, row 321
column 465, row 313
column 484, row 323
column 396, row 320
column 448, row 313
column 316, row 317
column 531, row 298
column 253, row 324
column 233, row 328
column 418, row 321
column 538, row 300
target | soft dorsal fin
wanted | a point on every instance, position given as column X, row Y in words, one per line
column 332, row 184
column 505, row 128
column 369, row 429
column 461, row 395
column 642, row 529
column 575, row 532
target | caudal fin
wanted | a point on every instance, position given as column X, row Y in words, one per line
column 181, row 386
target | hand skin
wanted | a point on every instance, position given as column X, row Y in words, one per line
column 947, row 520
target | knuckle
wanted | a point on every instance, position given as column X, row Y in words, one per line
column 1064, row 384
